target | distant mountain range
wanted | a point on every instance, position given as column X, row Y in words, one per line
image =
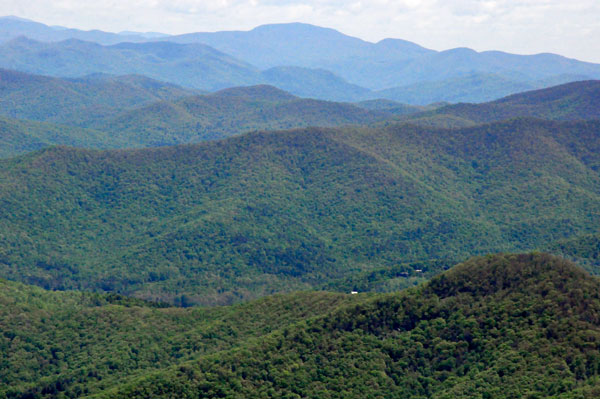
column 136, row 111
column 303, row 59
column 104, row 111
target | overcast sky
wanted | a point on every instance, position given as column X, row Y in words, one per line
column 567, row 27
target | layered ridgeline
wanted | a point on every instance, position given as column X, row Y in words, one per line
column 383, row 65
column 195, row 66
column 303, row 59
column 571, row 101
column 135, row 111
column 501, row 326
column 233, row 111
column 12, row 27
column 268, row 212
column 79, row 102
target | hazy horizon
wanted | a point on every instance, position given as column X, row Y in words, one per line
column 519, row 27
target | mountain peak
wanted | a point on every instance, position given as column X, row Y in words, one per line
column 15, row 18
column 490, row 274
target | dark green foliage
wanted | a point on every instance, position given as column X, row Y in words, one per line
column 504, row 326
column 390, row 279
column 70, row 344
column 21, row 136
column 585, row 250
column 269, row 212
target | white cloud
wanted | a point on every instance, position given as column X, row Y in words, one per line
column 570, row 28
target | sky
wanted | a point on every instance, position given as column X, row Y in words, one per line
column 566, row 27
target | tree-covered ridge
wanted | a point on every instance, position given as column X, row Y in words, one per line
column 78, row 102
column 495, row 326
column 231, row 112
column 196, row 65
column 571, row 101
column 22, row 136
column 585, row 250
column 135, row 111
column 71, row 344
column 503, row 326
column 270, row 212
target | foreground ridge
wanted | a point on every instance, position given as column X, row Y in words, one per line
column 530, row 331
column 498, row 326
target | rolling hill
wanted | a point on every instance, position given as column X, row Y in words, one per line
column 22, row 136
column 269, row 212
column 135, row 111
column 78, row 102
column 231, row 112
column 502, row 327
column 567, row 102
column 75, row 343
column 499, row 326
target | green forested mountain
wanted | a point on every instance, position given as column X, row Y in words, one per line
column 230, row 112
column 584, row 249
column 135, row 111
column 514, row 326
column 571, row 101
column 21, row 136
column 70, row 344
column 268, row 212
column 501, row 326
column 78, row 102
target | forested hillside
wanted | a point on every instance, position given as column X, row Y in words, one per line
column 290, row 212
column 231, row 112
column 78, row 102
column 500, row 326
column 507, row 326
column 276, row 211
column 571, row 101
column 71, row 344
column 104, row 111
column 22, row 136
